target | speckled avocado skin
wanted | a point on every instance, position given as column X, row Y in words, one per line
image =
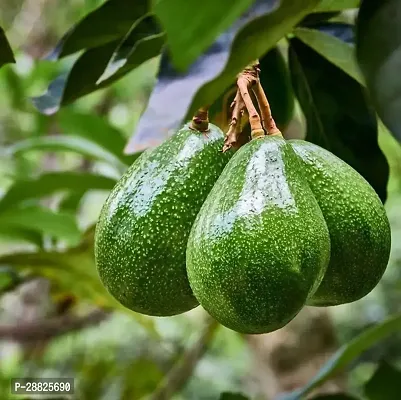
column 358, row 225
column 259, row 246
column 143, row 228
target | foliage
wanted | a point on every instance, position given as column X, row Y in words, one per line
column 150, row 65
column 379, row 68
column 6, row 54
column 348, row 115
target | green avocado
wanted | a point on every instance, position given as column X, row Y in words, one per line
column 260, row 246
column 359, row 229
column 142, row 232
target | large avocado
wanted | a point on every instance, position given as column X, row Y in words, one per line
column 359, row 229
column 260, row 245
column 142, row 232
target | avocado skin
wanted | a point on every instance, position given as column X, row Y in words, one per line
column 259, row 246
column 143, row 228
column 358, row 225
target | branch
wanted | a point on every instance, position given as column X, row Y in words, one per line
column 248, row 78
column 200, row 121
column 234, row 131
column 35, row 331
column 265, row 111
column 185, row 366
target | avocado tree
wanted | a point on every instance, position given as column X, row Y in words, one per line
column 324, row 71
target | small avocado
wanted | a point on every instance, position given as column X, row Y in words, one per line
column 142, row 232
column 358, row 225
column 259, row 246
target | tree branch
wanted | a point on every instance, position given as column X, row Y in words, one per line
column 234, row 131
column 200, row 121
column 35, row 331
column 265, row 111
column 248, row 78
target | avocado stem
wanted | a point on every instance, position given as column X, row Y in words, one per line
column 235, row 130
column 246, row 79
column 257, row 133
column 226, row 116
column 200, row 121
column 265, row 110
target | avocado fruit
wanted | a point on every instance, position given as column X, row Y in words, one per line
column 359, row 228
column 142, row 232
column 259, row 246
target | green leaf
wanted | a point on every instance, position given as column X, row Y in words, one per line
column 13, row 234
column 143, row 29
column 379, row 56
column 178, row 16
column 96, row 129
column 71, row 202
column 145, row 49
column 253, row 41
column 8, row 278
column 53, row 182
column 163, row 116
column 336, row 5
column 6, row 54
column 317, row 18
column 83, row 78
column 338, row 52
column 60, row 225
column 108, row 23
column 385, row 384
column 276, row 81
column 338, row 114
column 349, row 352
column 233, row 396
column 79, row 81
column 74, row 144
column 49, row 102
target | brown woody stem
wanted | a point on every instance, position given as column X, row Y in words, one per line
column 200, row 121
column 265, row 112
column 244, row 82
column 234, row 131
column 248, row 80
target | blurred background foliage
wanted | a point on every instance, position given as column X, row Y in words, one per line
column 55, row 173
